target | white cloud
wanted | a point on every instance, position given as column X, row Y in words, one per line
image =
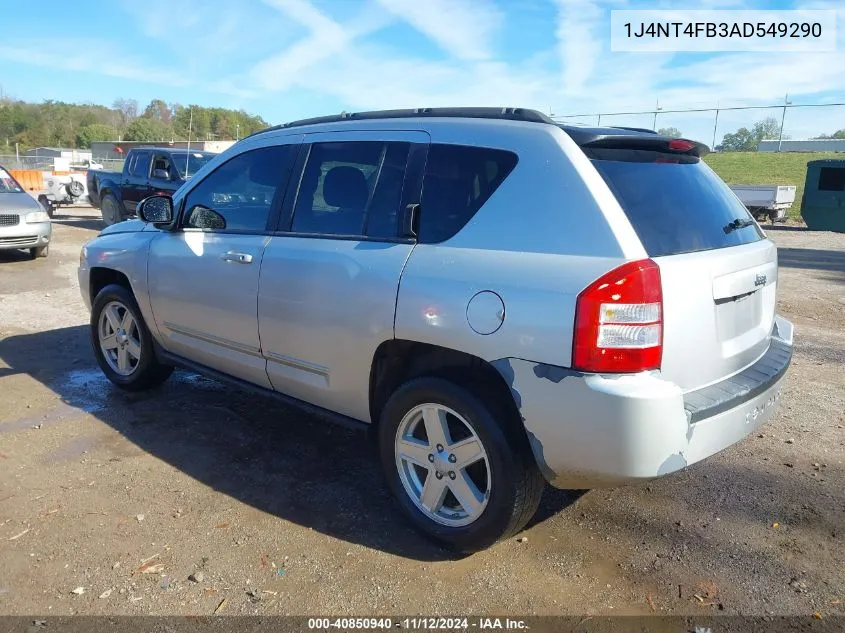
column 358, row 63
column 305, row 13
column 328, row 41
column 343, row 62
column 147, row 16
column 371, row 77
column 596, row 80
column 89, row 56
column 462, row 28
column 759, row 76
column 580, row 42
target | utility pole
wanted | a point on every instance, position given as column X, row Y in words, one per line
column 657, row 108
column 715, row 125
column 786, row 102
column 188, row 153
column 237, row 131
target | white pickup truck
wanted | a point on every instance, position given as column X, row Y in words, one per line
column 764, row 201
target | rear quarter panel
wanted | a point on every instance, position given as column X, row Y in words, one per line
column 549, row 230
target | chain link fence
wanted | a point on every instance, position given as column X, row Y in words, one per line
column 794, row 121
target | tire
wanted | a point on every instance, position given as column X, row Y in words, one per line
column 110, row 210
column 39, row 251
column 75, row 189
column 136, row 373
column 514, row 483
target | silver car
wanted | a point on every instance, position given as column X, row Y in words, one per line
column 507, row 300
column 24, row 224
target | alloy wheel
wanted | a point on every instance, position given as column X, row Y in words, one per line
column 119, row 338
column 442, row 465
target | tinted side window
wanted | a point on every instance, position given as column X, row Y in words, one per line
column 458, row 181
column 237, row 196
column 832, row 179
column 141, row 166
column 351, row 188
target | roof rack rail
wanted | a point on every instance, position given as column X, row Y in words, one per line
column 511, row 114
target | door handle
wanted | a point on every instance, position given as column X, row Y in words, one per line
column 238, row 258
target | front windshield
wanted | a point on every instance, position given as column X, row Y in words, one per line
column 193, row 161
column 8, row 184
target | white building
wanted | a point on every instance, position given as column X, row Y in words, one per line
column 118, row 149
column 808, row 145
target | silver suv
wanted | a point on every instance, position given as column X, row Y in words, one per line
column 502, row 298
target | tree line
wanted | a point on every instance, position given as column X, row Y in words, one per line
column 745, row 140
column 59, row 124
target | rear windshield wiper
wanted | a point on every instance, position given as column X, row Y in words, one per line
column 739, row 223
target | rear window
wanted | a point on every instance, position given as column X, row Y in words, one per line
column 675, row 203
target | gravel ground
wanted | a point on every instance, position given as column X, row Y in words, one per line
column 197, row 498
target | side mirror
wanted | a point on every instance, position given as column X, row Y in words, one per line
column 156, row 209
column 161, row 174
column 201, row 217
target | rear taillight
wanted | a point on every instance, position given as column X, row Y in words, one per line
column 681, row 145
column 619, row 321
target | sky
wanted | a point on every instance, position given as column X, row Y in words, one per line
column 290, row 59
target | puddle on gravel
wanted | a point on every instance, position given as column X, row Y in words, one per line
column 81, row 391
column 85, row 389
column 88, row 391
column 195, row 380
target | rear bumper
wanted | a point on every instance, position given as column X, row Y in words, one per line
column 25, row 235
column 590, row 431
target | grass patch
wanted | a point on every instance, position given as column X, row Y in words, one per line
column 767, row 168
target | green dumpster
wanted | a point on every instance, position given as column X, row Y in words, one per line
column 823, row 202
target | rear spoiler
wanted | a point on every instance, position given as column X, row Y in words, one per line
column 661, row 144
column 631, row 138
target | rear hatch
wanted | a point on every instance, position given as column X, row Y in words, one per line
column 719, row 272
